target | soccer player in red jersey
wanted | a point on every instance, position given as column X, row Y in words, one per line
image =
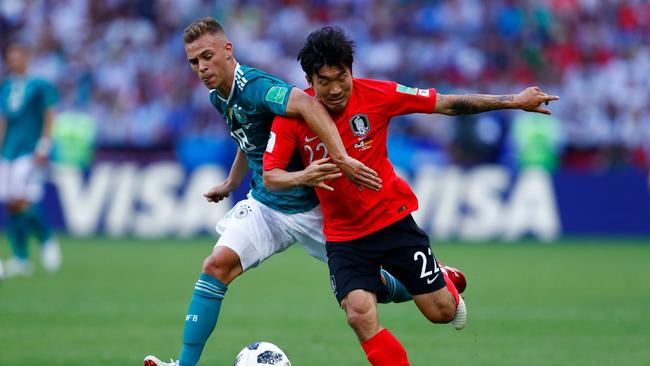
column 365, row 229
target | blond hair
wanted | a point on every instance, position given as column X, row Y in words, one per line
column 200, row 27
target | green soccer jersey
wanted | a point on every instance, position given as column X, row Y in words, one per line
column 255, row 99
column 23, row 102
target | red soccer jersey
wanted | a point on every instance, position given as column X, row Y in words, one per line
column 351, row 212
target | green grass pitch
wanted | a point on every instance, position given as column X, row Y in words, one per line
column 115, row 301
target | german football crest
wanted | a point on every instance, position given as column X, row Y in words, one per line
column 235, row 114
column 241, row 117
column 242, row 211
column 360, row 124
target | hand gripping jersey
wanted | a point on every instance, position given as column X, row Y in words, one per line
column 351, row 212
column 255, row 99
column 23, row 102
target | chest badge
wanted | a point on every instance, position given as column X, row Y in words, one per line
column 236, row 115
column 360, row 125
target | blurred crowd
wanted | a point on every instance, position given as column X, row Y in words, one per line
column 122, row 63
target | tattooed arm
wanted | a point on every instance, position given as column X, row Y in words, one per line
column 529, row 100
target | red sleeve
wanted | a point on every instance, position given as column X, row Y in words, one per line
column 282, row 143
column 407, row 100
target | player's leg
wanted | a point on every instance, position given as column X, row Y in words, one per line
column 307, row 229
column 355, row 280
column 12, row 194
column 32, row 191
column 246, row 240
column 51, row 257
column 380, row 346
column 395, row 291
column 219, row 269
column 21, row 189
column 17, row 228
column 412, row 261
column 234, row 253
column 443, row 306
column 17, row 234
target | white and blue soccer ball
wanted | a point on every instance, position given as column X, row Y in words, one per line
column 262, row 354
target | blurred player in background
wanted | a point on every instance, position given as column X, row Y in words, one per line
column 367, row 230
column 266, row 222
column 26, row 115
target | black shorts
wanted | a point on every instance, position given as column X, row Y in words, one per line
column 401, row 248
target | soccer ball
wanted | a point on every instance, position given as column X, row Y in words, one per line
column 261, row 354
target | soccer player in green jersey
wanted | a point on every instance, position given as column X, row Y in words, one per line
column 266, row 222
column 26, row 115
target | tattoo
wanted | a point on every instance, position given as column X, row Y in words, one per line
column 502, row 99
column 477, row 103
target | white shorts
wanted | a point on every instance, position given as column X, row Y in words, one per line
column 21, row 179
column 255, row 232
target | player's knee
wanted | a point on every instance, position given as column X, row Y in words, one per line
column 221, row 267
column 361, row 314
column 442, row 311
column 447, row 312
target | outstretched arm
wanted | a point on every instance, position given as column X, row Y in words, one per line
column 529, row 100
column 315, row 115
column 237, row 173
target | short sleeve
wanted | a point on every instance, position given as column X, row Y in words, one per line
column 269, row 94
column 407, row 100
column 282, row 143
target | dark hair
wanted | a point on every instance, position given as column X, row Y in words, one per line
column 328, row 46
column 14, row 44
column 200, row 27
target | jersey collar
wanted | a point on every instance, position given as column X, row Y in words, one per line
column 232, row 87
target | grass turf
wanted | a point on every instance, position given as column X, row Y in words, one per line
column 115, row 301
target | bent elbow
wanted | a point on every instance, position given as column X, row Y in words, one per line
column 269, row 184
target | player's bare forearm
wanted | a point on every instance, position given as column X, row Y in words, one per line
column 314, row 175
column 238, row 170
column 530, row 99
column 48, row 122
column 472, row 103
column 277, row 179
column 237, row 173
column 44, row 143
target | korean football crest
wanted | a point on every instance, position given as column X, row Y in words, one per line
column 360, row 124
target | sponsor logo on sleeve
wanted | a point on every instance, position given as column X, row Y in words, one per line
column 406, row 89
column 423, row 92
column 276, row 94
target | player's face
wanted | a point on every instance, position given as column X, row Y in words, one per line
column 333, row 86
column 211, row 58
column 16, row 60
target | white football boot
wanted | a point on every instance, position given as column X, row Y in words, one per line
column 51, row 257
column 461, row 315
column 154, row 361
column 17, row 267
